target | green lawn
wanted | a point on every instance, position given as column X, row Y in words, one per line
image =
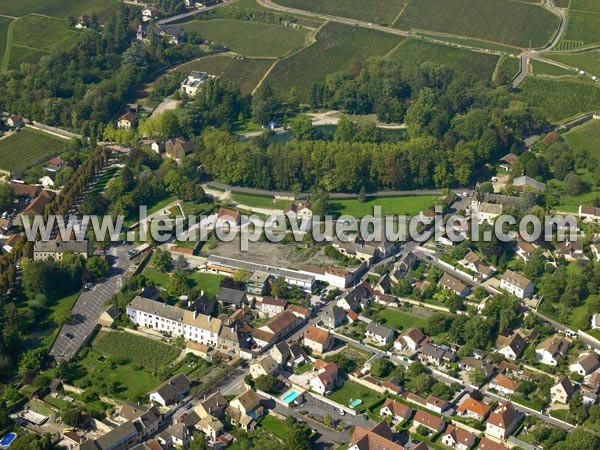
column 389, row 205
column 209, row 282
column 250, row 38
column 560, row 99
column 588, row 61
column 504, row 21
column 56, row 8
column 259, row 201
column 414, row 52
column 544, row 68
column 156, row 277
column 127, row 381
column 28, row 147
column 335, row 47
column 275, row 426
column 58, row 403
column 244, row 72
column 399, row 320
column 374, row 11
column 352, row 390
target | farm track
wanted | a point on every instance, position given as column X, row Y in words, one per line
column 9, row 43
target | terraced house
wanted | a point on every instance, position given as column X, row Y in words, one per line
column 176, row 321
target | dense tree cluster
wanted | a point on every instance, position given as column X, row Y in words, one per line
column 455, row 128
column 83, row 87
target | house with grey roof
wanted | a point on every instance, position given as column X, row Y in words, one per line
column 379, row 333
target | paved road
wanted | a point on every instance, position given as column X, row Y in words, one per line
column 317, row 408
column 525, row 57
column 90, row 305
column 183, row 16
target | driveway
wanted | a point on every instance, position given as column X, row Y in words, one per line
column 90, row 305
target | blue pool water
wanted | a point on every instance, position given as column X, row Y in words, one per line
column 290, row 396
column 354, row 403
column 7, row 440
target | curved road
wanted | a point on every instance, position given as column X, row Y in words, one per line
column 525, row 57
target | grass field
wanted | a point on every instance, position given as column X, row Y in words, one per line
column 412, row 52
column 351, row 391
column 259, row 201
column 128, row 382
column 399, row 320
column 336, row 46
column 275, row 426
column 560, row 99
column 374, row 11
column 585, row 5
column 389, row 205
column 504, row 21
column 582, row 28
column 544, row 68
column 585, row 136
column 244, row 72
column 250, row 38
column 56, row 8
column 588, row 61
column 27, row 147
column 208, row 282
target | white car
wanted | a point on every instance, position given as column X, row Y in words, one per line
column 494, row 179
column 342, row 412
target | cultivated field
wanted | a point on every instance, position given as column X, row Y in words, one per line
column 560, row 100
column 27, row 147
column 503, row 21
column 588, row 61
column 34, row 36
column 335, row 47
column 585, row 5
column 245, row 72
column 471, row 42
column 250, row 38
column 137, row 349
column 56, row 8
column 412, row 53
column 376, row 11
column 4, row 22
column 582, row 30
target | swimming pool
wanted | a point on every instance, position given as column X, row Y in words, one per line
column 290, row 396
column 7, row 440
column 354, row 403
